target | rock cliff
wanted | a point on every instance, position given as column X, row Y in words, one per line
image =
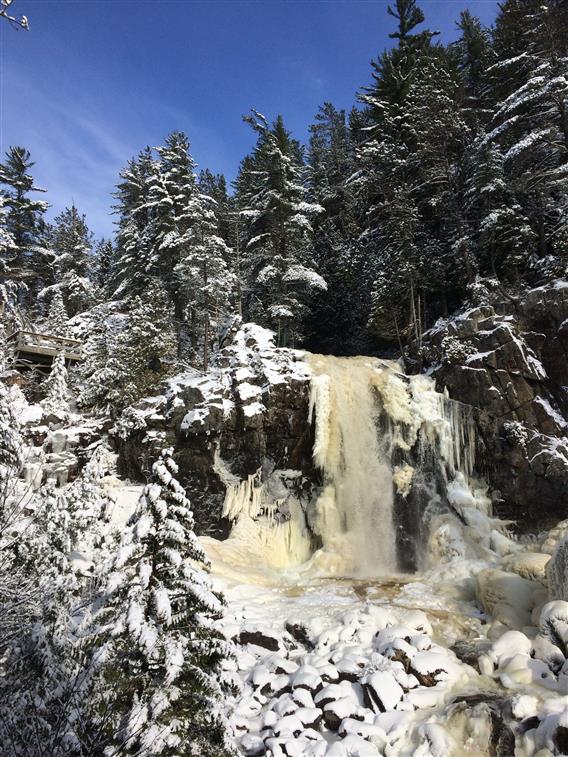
column 508, row 359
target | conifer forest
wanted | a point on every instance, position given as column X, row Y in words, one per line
column 284, row 458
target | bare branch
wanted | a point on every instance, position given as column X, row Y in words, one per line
column 15, row 23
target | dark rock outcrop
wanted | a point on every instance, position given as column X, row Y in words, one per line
column 509, row 361
column 245, row 417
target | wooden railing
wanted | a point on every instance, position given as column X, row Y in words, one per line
column 45, row 344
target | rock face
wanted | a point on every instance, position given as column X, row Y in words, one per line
column 246, row 417
column 508, row 360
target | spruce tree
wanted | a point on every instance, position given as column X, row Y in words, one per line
column 278, row 248
column 25, row 217
column 57, row 318
column 56, row 389
column 206, row 281
column 530, row 123
column 159, row 690
column 133, row 242
column 71, row 242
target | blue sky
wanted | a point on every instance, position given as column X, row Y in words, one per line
column 94, row 81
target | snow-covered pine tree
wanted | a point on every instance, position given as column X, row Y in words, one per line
column 56, row 389
column 182, row 224
column 206, row 282
column 46, row 674
column 57, row 318
column 71, row 242
column 89, row 503
column 7, row 242
column 144, row 352
column 133, row 241
column 215, row 186
column 23, row 261
column 394, row 69
column 503, row 237
column 278, row 253
column 338, row 317
column 473, row 55
column 11, row 450
column 160, row 694
column 530, row 123
column 104, row 265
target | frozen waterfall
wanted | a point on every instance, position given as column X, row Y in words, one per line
column 354, row 513
column 389, row 448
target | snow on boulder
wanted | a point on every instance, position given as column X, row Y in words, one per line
column 554, row 624
column 284, row 705
column 349, row 666
column 310, row 717
column 252, row 746
column 279, row 665
column 340, row 709
column 552, row 732
column 334, row 691
column 263, row 639
column 382, row 691
column 289, row 725
column 511, row 643
column 521, row 670
column 544, row 649
column 368, row 731
column 431, row 668
column 307, row 677
column 509, row 598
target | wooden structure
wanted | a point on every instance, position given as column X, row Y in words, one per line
column 33, row 350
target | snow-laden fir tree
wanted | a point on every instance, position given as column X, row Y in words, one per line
column 89, row 504
column 206, row 282
column 530, row 122
column 46, row 675
column 504, row 239
column 278, row 253
column 57, row 318
column 56, row 387
column 24, row 221
column 133, row 240
column 71, row 242
column 161, row 694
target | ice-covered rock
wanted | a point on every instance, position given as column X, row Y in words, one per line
column 508, row 597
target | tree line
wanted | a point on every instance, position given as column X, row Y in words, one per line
column 447, row 179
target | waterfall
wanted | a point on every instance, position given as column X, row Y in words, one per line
column 353, row 514
column 394, row 455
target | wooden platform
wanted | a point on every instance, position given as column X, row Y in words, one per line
column 33, row 350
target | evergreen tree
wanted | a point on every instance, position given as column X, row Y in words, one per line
column 215, row 186
column 338, row 319
column 133, row 242
column 24, row 221
column 530, row 123
column 160, row 676
column 505, row 241
column 473, row 56
column 57, row 318
column 393, row 71
column 45, row 681
column 278, row 235
column 207, row 282
column 104, row 265
column 71, row 242
column 56, row 389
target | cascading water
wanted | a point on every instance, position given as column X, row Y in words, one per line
column 383, row 442
column 353, row 514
